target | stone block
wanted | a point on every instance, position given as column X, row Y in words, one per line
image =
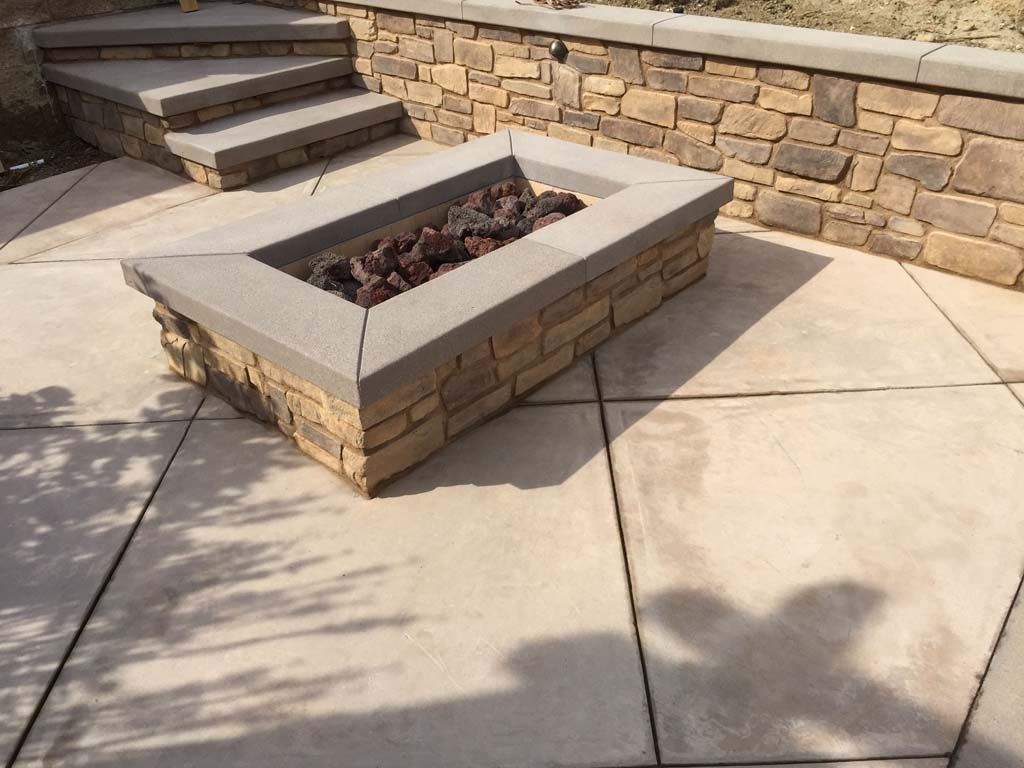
column 636, row 303
column 581, row 119
column 624, row 63
column 834, row 100
column 569, row 329
column 933, row 172
column 587, row 64
column 747, row 150
column 528, row 88
column 787, row 212
column 747, row 172
column 891, row 100
column 486, row 406
column 700, row 131
column 973, row 113
column 875, row 123
column 369, row 471
column 484, row 118
column 784, row 78
column 846, row 233
column 888, row 244
column 752, row 122
column 693, row 154
column 507, row 66
column 1012, row 213
column 818, row 163
column 666, row 79
column 991, row 168
column 915, row 137
column 544, row 370
column 1007, row 233
column 425, row 93
column 631, row 132
column 565, row 86
column 870, row 143
column 813, row 131
column 474, row 54
column 392, row 65
column 650, row 107
column 895, row 193
column 781, row 100
column 417, row 49
column 565, row 133
column 722, row 88
column 955, row 214
column 543, row 110
column 605, row 86
column 672, row 60
column 865, row 171
column 808, row 188
column 488, row 95
column 701, row 110
column 975, row 258
column 451, row 77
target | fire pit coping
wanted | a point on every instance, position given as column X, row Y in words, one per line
column 228, row 279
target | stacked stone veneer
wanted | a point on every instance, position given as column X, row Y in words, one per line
column 121, row 130
column 200, row 50
column 901, row 171
column 374, row 444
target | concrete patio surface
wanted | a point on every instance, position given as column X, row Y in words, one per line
column 776, row 523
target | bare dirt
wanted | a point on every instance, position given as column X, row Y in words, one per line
column 58, row 155
column 996, row 24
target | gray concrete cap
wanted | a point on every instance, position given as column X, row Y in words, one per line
column 631, row 221
column 596, row 172
column 267, row 311
column 264, row 132
column 215, row 22
column 451, row 9
column 412, row 333
column 863, row 55
column 172, row 86
column 1000, row 73
column 603, row 22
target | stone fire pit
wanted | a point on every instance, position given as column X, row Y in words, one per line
column 372, row 392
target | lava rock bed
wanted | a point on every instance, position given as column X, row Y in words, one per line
column 483, row 222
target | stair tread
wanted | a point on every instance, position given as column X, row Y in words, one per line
column 214, row 22
column 264, row 132
column 172, row 86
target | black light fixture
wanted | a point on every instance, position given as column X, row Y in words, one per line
column 558, row 50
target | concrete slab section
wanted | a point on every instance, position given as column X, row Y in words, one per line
column 576, row 385
column 994, row 737
column 265, row 612
column 819, row 577
column 939, row 762
column 215, row 408
column 115, row 194
column 69, row 498
column 991, row 317
column 149, row 234
column 215, row 22
column 1018, row 390
column 20, row 206
column 778, row 313
column 78, row 347
column 386, row 154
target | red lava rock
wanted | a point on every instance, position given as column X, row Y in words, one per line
column 544, row 221
column 481, row 246
column 484, row 222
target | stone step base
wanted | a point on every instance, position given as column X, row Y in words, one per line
column 214, row 50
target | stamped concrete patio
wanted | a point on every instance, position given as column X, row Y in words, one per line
column 780, row 521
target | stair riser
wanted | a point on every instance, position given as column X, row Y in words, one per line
column 77, row 102
column 200, row 50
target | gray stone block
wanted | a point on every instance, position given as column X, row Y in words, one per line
column 863, row 55
column 957, row 67
column 631, row 221
column 414, row 332
column 215, row 22
column 265, row 310
column 170, row 87
column 264, row 132
column 602, row 22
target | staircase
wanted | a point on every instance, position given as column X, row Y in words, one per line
column 228, row 94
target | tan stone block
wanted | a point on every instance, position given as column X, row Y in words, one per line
column 569, row 329
column 605, row 86
column 1007, row 233
column 808, row 188
column 425, row 407
column 746, row 172
column 444, row 46
column 484, row 118
column 206, row 50
column 444, row 135
column 575, row 135
column 416, row 49
column 488, row 95
column 702, row 132
column 975, row 258
column 705, row 239
column 625, row 64
column 781, row 100
column 368, row 471
column 875, row 123
column 318, row 48
column 813, row 131
column 722, row 88
column 215, row 358
column 988, row 116
column 474, row 54
column 702, row 110
column 425, row 93
column 394, row 86
column 913, row 136
column 729, row 68
column 650, row 107
column 685, row 278
column 361, row 29
column 991, row 168
column 747, row 150
column 1012, row 213
column 654, row 154
column 611, row 145
column 594, row 336
column 154, row 135
column 667, row 80
column 788, row 212
column 632, row 132
column 401, row 25
column 863, row 141
column 317, row 453
column 864, row 173
column 486, row 406
column 455, row 120
column 846, row 233
column 906, row 226
column 606, row 282
column 891, row 100
column 468, row 383
column 858, row 199
column 784, row 78
column 291, row 158
column 214, row 340
column 672, row 60
column 896, row 246
column 693, row 153
column 566, row 85
column 127, row 52
column 895, row 193
column 384, row 432
column 606, row 104
column 275, row 48
column 752, row 122
column 547, row 368
column 955, row 214
column 505, row 66
column 636, row 303
column 195, row 171
column 528, row 88
column 545, row 110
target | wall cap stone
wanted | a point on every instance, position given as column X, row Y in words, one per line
column 369, row 353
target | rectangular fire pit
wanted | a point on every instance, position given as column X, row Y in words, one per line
column 372, row 392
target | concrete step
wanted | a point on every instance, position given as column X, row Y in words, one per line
column 261, row 133
column 172, row 86
column 214, row 22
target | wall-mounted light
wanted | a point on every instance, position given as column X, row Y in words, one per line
column 558, row 50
